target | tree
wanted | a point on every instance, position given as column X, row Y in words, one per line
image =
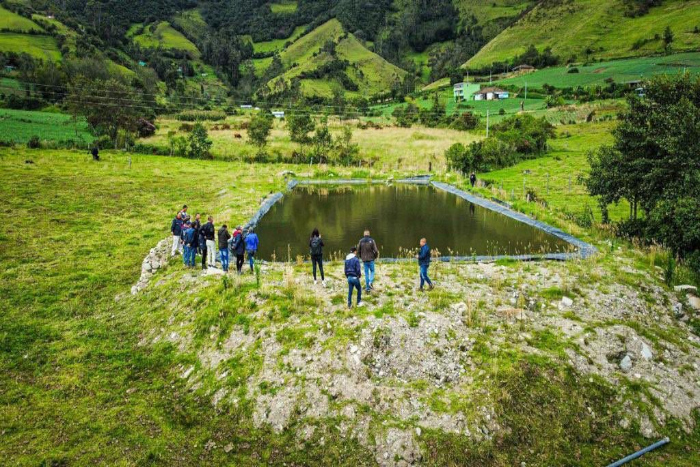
column 108, row 106
column 347, row 151
column 322, row 141
column 668, row 36
column 199, row 143
column 259, row 129
column 654, row 162
column 299, row 126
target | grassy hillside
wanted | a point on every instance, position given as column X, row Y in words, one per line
column 192, row 23
column 14, row 22
column 621, row 71
column 368, row 70
column 278, row 44
column 38, row 46
column 598, row 27
column 162, row 35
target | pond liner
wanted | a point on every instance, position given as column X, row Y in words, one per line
column 585, row 250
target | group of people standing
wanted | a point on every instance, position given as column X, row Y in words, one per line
column 191, row 237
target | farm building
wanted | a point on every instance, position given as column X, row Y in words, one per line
column 523, row 69
column 463, row 91
column 278, row 114
column 490, row 94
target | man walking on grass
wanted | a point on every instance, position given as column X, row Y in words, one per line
column 424, row 263
column 251, row 246
column 209, row 232
column 224, row 237
column 354, row 274
column 368, row 254
column 176, row 230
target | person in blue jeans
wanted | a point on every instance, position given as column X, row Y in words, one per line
column 369, row 252
column 189, row 241
column 224, row 236
column 423, row 257
column 353, row 272
column 251, row 247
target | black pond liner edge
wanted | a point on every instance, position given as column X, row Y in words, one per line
column 585, row 250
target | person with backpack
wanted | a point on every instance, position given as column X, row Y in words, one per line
column 208, row 232
column 423, row 258
column 316, row 248
column 238, row 248
column 472, row 179
column 369, row 252
column 224, row 237
column 353, row 273
column 251, row 246
column 176, row 227
column 189, row 244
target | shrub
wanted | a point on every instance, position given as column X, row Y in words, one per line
column 573, row 70
column 34, row 142
column 201, row 115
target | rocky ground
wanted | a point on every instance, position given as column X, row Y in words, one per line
column 292, row 353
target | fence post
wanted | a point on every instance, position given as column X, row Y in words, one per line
column 547, row 183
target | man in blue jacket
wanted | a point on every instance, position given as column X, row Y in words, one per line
column 190, row 244
column 424, row 263
column 353, row 272
column 251, row 246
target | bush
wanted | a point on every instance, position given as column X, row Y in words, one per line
column 573, row 70
column 34, row 142
column 201, row 115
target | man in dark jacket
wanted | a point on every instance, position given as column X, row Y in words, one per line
column 238, row 247
column 424, row 263
column 368, row 253
column 354, row 274
column 472, row 179
column 208, row 232
column 190, row 242
column 224, row 237
column 176, row 230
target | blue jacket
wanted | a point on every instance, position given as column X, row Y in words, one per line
column 176, row 227
column 251, row 242
column 189, row 237
column 352, row 266
column 424, row 255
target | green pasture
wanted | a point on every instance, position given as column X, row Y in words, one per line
column 19, row 126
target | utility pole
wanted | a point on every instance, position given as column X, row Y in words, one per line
column 526, row 90
column 487, row 123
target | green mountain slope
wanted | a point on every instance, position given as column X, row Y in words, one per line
column 306, row 57
column 595, row 29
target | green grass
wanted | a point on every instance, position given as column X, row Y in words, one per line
column 14, row 22
column 162, row 35
column 570, row 28
column 20, row 125
column 554, row 177
column 277, row 45
column 621, row 71
column 41, row 47
column 284, row 7
column 192, row 22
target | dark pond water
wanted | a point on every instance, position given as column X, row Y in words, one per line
column 397, row 216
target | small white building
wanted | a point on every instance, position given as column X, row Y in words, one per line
column 278, row 113
column 490, row 94
column 246, row 106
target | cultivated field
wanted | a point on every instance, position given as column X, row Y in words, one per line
column 19, row 126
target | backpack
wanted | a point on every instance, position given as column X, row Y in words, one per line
column 316, row 246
